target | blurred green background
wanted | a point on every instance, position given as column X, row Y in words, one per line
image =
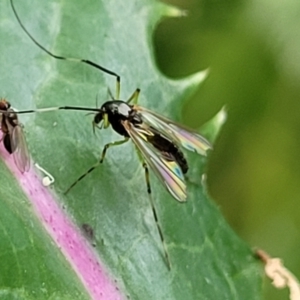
column 252, row 49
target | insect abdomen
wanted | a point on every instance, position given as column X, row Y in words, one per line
column 181, row 160
column 170, row 150
column 7, row 144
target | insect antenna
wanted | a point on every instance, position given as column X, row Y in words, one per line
column 85, row 61
column 110, row 94
column 54, row 108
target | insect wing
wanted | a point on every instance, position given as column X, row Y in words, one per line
column 189, row 139
column 20, row 154
column 166, row 169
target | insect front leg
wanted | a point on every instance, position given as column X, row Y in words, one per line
column 116, row 143
column 147, row 177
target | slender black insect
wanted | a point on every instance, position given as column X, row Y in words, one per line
column 156, row 138
column 13, row 136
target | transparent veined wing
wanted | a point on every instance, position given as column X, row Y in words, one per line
column 165, row 168
column 20, row 152
column 186, row 137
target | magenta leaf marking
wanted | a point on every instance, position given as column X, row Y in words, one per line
column 68, row 238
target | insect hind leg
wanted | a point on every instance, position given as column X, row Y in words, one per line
column 147, row 177
column 116, row 143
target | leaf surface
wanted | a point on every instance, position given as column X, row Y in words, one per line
column 208, row 260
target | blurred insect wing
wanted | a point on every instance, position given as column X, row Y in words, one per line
column 186, row 137
column 20, row 153
column 165, row 168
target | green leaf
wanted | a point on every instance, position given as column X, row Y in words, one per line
column 208, row 260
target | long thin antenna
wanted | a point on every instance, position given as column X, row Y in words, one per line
column 56, row 108
column 88, row 62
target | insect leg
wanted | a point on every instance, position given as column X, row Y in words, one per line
column 134, row 97
column 118, row 88
column 154, row 212
column 116, row 143
column 85, row 61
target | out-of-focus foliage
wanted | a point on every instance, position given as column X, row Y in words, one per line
column 252, row 50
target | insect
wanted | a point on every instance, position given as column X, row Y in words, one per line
column 13, row 136
column 157, row 139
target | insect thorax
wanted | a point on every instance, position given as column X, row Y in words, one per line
column 119, row 111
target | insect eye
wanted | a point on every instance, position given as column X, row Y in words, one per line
column 6, row 105
column 98, row 118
